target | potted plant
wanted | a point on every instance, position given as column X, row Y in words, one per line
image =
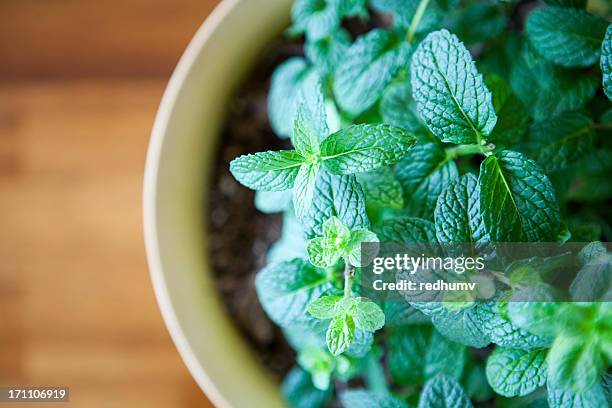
column 433, row 122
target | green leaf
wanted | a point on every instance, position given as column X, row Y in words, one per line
column 267, row 171
column 560, row 141
column 323, row 307
column 320, row 253
column 406, row 353
column 361, row 148
column 575, row 363
column 310, row 125
column 593, row 282
column 443, row 391
column 381, row 188
column 327, row 52
column 288, row 79
column 298, row 390
column 354, row 253
column 397, row 107
column 457, row 214
column 340, row 334
column 480, row 22
column 402, row 314
column 461, row 326
column 444, row 356
column 369, row 399
column 304, row 189
column 336, row 196
column 560, row 398
column 270, row 202
column 548, row 90
column 606, row 62
column 450, row 94
column 567, row 3
column 316, row 18
column 367, row 68
column 501, row 331
column 285, row 290
column 517, row 200
column 423, row 175
column 536, row 317
column 512, row 119
column 566, row 36
column 404, row 10
column 476, row 385
column 319, row 363
column 406, row 230
column 368, row 316
column 515, row 372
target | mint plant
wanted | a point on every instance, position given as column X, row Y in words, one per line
column 455, row 121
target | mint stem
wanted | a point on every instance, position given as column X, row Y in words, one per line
column 416, row 19
column 349, row 274
column 374, row 375
column 467, row 150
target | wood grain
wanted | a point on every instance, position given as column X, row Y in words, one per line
column 80, row 82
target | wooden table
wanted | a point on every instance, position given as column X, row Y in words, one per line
column 80, row 81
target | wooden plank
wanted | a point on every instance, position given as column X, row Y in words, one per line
column 84, row 38
column 76, row 304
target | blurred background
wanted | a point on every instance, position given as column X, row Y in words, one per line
column 80, row 81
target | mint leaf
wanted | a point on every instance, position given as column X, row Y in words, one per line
column 423, row 175
column 406, row 356
column 502, row 332
column 512, row 118
column 397, row 107
column 285, row 290
column 309, row 125
column 404, row 10
column 323, row 307
column 450, row 94
column 304, row 189
column 406, row 230
column 457, row 214
column 461, row 326
column 561, row 398
column 444, row 356
column 361, row 148
column 566, row 36
column 443, row 391
column 340, row 334
column 354, row 254
column 480, row 22
column 575, row 363
column 327, row 52
column 288, row 79
column 381, row 188
column 367, row 68
column 548, row 90
column 369, row 399
column 320, row 254
column 560, row 141
column 567, row 3
column 368, row 316
column 517, row 200
column 270, row 202
column 606, row 62
column 298, row 390
column 515, row 372
column 336, row 196
column 267, row 171
column 316, row 18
